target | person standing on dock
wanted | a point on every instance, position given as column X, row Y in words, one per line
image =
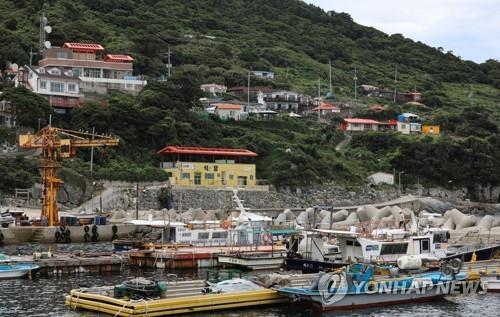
column 402, row 220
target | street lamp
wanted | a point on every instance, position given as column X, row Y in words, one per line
column 399, row 181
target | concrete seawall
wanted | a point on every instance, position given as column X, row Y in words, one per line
column 15, row 235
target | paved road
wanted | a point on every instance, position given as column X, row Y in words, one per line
column 343, row 143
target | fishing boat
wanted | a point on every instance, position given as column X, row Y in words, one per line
column 308, row 252
column 246, row 229
column 357, row 287
column 254, row 260
column 16, row 270
column 491, row 283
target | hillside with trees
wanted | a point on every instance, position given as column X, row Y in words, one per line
column 219, row 41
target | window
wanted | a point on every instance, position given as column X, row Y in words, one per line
column 62, row 54
column 231, row 177
column 203, row 235
column 219, row 235
column 56, row 87
column 55, row 71
column 209, row 175
column 43, row 84
column 440, row 237
column 372, row 247
column 251, row 177
column 394, row 248
column 185, row 176
column 403, row 126
column 425, row 245
column 186, row 234
column 94, row 73
column 353, row 243
column 71, row 87
column 197, row 178
column 77, row 72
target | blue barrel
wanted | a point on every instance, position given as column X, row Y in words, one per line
column 97, row 220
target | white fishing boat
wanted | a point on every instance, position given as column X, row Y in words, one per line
column 246, row 229
column 16, row 270
column 491, row 283
column 254, row 260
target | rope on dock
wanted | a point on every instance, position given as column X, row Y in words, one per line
column 118, row 312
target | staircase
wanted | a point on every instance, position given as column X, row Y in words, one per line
column 37, row 235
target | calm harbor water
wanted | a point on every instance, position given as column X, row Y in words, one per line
column 45, row 296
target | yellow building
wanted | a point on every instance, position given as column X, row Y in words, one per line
column 430, row 129
column 205, row 167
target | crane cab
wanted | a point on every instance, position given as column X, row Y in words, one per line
column 67, row 150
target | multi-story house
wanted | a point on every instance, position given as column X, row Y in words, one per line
column 7, row 115
column 214, row 89
column 99, row 72
column 61, row 88
column 283, row 100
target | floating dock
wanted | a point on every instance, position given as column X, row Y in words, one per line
column 182, row 297
column 71, row 263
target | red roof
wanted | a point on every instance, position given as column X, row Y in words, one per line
column 227, row 106
column 118, row 58
column 325, row 106
column 84, row 47
column 361, row 121
column 172, row 149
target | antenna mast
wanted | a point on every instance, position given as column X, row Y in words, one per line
column 395, row 83
column 331, row 90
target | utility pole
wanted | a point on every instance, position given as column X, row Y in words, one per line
column 248, row 92
column 330, row 68
column 169, row 63
column 137, row 201
column 92, row 154
column 319, row 98
column 399, row 182
column 31, row 55
column 92, row 169
column 395, row 83
column 355, row 83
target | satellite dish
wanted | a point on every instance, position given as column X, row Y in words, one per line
column 48, row 29
column 47, row 44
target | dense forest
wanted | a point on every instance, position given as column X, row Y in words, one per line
column 219, row 41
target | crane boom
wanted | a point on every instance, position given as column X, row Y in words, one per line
column 58, row 144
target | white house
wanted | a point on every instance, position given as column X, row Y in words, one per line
column 229, row 111
column 263, row 74
column 282, row 100
column 61, row 88
column 381, row 177
column 409, row 123
column 214, row 89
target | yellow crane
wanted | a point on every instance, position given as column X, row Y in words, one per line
column 57, row 144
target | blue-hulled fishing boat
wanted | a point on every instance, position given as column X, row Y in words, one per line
column 16, row 270
column 356, row 287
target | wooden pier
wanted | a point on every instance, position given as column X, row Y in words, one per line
column 73, row 263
